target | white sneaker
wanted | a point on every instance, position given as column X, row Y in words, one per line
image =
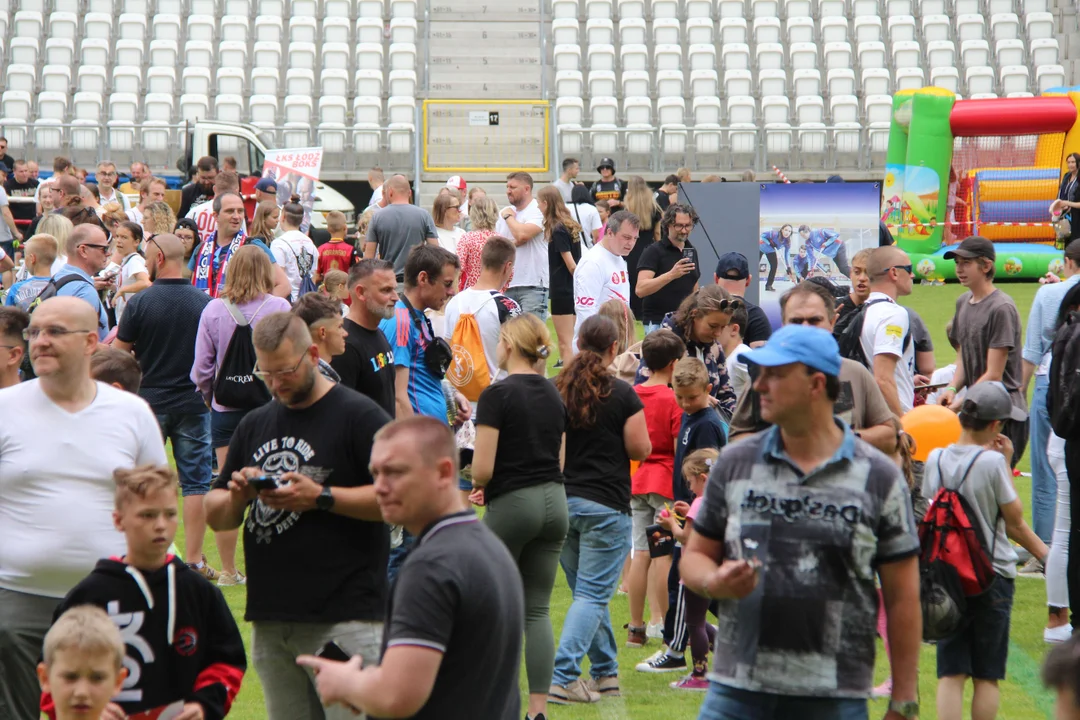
column 1057, row 635
column 655, row 631
column 1032, row 569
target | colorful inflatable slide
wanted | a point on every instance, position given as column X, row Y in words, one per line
column 987, row 167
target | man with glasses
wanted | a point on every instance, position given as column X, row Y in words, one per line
column 106, row 182
column 886, row 329
column 860, row 403
column 602, row 275
column 88, row 252
column 665, row 275
column 315, row 544
column 13, row 323
column 56, row 485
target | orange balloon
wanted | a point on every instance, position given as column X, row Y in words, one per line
column 932, row 426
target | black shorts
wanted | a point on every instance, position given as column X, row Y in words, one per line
column 1017, row 432
column 562, row 303
column 981, row 648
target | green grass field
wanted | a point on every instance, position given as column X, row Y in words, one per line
column 646, row 697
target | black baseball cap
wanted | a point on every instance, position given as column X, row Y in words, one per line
column 732, row 266
column 973, row 247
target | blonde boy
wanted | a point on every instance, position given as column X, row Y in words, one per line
column 83, row 663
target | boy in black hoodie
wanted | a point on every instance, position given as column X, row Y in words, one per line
column 183, row 646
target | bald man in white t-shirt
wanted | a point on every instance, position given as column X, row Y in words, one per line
column 602, row 275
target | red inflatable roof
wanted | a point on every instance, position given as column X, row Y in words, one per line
column 1012, row 116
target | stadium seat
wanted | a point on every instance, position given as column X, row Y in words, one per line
column 264, row 81
column 772, row 82
column 1009, row 52
column 335, row 56
column 233, row 55
column 195, row 81
column 669, row 83
column 87, row 110
column 334, row 82
column 901, row 28
column 940, row 53
column 876, row 81
column 369, row 56
column 975, row 53
column 201, row 27
column 302, row 55
column 163, row 53
column 229, row 108
column 564, row 31
column 698, row 10
column 702, row 57
column 15, row 109
column 742, row 137
column 699, row 31
column 239, row 8
column 403, row 9
column 730, row 9
column 906, row 54
column 91, row 78
column 637, row 114
column 766, row 30
column 979, row 80
column 878, row 120
column 263, row 110
column 833, row 30
column 1039, row 25
column 798, row 9
column 966, row 7
column 665, row 9
column 99, row 26
column 806, row 83
column 368, row 30
column 54, row 78
column 775, row 112
column 764, row 8
column 970, row 27
column 276, row 8
column 199, row 53
column 865, row 8
column 667, row 57
column 770, row 56
column 1044, row 52
column 832, row 8
column 738, row 82
column 57, row 51
column 302, row 30
column 603, row 82
column 560, row 9
column 633, row 57
column 840, row 82
column 601, row 58
column 368, row 83
column 1014, row 79
column 270, row 29
column 129, row 53
column 868, row 29
column 872, row 55
column 234, row 28
column 735, row 56
column 803, row 56
column 123, row 115
column 936, row 28
column 162, row 80
column 1004, row 26
column 704, row 83
column 332, row 115
column 299, row 82
column 801, row 30
column 51, row 114
column 1046, row 77
column 28, row 24
column 567, row 57
column 909, row 79
column 131, row 27
column 569, row 84
column 127, row 80
column 297, row 109
column 230, row 81
column 598, row 9
column 837, row 55
column 23, row 78
column 633, row 31
column 946, row 77
column 666, row 31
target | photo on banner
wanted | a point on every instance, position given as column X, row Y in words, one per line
column 295, row 170
column 809, row 230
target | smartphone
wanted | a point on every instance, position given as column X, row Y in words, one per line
column 264, row 482
column 690, row 254
column 333, row 651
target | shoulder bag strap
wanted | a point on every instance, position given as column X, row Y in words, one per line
column 234, row 310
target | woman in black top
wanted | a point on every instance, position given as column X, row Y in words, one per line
column 606, row 431
column 1068, row 197
column 564, row 251
column 517, row 470
column 641, row 201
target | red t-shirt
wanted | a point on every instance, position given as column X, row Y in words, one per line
column 336, row 255
column 663, row 417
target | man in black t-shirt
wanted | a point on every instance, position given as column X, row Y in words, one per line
column 21, row 185
column 733, row 274
column 367, row 365
column 665, row 276
column 455, row 619
column 608, row 187
column 201, row 188
column 314, row 540
column 668, row 193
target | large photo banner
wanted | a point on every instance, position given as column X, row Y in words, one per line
column 812, row 229
column 295, row 170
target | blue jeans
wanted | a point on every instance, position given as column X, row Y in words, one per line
column 1043, row 480
column 190, row 436
column 651, row 327
column 728, row 703
column 592, row 557
column 531, row 298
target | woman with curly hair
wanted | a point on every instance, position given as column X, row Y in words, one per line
column 699, row 321
column 606, row 429
column 158, row 218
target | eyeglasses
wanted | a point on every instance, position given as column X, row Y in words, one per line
column 683, row 225
column 50, row 333
column 265, row 375
column 906, row 268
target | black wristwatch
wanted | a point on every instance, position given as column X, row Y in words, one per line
column 325, row 501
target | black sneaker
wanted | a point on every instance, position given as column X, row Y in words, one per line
column 558, row 364
column 662, row 663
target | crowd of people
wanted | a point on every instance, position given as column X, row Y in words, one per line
column 753, row 492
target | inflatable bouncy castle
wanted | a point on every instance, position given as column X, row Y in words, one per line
column 988, row 167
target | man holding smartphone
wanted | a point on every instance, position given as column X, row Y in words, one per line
column 667, row 270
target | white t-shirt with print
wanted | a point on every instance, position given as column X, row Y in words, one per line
column 589, row 218
column 600, row 276
column 56, row 483
column 531, row 262
column 297, row 254
column 886, row 324
column 491, row 309
column 130, row 266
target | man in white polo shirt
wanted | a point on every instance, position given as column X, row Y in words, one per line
column 886, row 331
column 56, row 485
column 602, row 275
column 522, row 222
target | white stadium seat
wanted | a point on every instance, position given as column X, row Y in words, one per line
column 299, row 81
column 1009, row 52
column 162, row 80
column 738, row 82
column 1039, row 25
column 940, row 53
column 230, row 81
column 264, row 81
column 979, row 80
column 1048, row 76
column 801, row 29
column 910, row 79
column 1044, row 52
column 806, row 83
column 876, row 81
column 946, row 77
column 632, row 31
column 1014, row 79
column 974, row 53
column 54, row 78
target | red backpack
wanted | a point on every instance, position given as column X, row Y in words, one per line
column 954, row 563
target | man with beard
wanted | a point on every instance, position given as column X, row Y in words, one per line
column 666, row 276
column 201, row 188
column 298, row 469
column 160, row 325
column 209, row 261
column 367, row 365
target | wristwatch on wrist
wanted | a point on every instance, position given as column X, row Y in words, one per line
column 325, row 501
column 906, row 709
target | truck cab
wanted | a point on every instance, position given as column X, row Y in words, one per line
column 248, row 145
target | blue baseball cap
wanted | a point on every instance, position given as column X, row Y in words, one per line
column 732, row 266
column 267, row 185
column 810, row 346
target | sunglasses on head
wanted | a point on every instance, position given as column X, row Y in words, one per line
column 730, row 305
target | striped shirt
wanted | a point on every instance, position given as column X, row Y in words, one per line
column 409, row 334
column 1042, row 322
column 809, row 627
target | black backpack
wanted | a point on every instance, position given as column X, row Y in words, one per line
column 1063, row 392
column 848, row 334
column 236, row 385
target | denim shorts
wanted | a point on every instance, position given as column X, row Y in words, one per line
column 981, row 648
column 727, row 703
column 223, row 425
column 190, row 437
column 532, row 299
